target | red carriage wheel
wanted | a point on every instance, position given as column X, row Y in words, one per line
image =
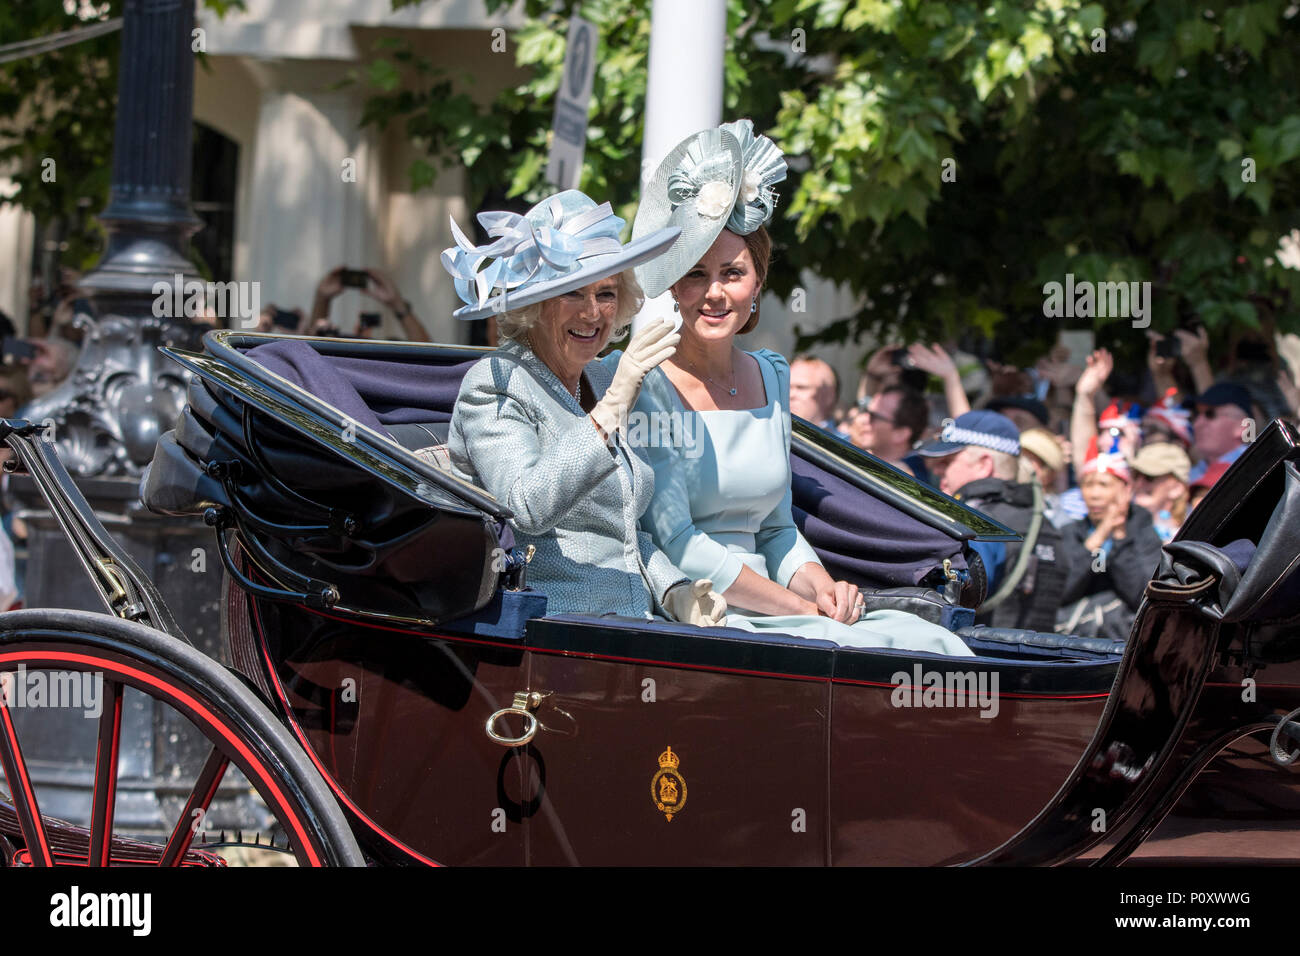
column 239, row 728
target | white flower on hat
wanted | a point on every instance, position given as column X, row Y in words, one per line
column 713, row 199
column 750, row 184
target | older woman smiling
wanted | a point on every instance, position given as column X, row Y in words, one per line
column 540, row 423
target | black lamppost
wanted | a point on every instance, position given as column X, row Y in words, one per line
column 109, row 413
column 149, row 219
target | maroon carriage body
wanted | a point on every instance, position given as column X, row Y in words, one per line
column 661, row 744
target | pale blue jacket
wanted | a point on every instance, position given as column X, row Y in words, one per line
column 517, row 432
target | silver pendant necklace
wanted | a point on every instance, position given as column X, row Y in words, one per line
column 731, row 389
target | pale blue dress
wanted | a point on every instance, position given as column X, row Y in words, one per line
column 722, row 502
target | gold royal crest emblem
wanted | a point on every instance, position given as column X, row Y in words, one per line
column 668, row 787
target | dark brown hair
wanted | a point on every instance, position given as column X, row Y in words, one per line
column 913, row 411
column 759, row 244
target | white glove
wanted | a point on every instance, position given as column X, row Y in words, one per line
column 696, row 603
column 648, row 348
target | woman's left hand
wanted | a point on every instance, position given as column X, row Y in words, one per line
column 840, row 600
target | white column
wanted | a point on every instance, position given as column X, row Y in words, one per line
column 684, row 82
column 683, row 89
column 17, row 233
column 418, row 230
column 308, row 211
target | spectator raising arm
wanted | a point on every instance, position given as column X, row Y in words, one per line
column 937, row 362
column 1083, row 419
column 1196, row 355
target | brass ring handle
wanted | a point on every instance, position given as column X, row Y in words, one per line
column 523, row 704
column 519, row 741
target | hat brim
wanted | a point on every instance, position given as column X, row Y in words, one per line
column 636, row 252
column 939, row 449
column 698, row 231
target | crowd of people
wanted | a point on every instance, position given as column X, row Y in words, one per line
column 1094, row 467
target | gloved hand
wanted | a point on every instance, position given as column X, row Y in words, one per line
column 652, row 345
column 696, row 603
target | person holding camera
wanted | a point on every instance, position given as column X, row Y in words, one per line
column 887, row 365
column 1191, row 347
column 1224, row 410
column 373, row 283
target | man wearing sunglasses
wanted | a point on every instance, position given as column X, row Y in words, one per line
column 890, row 423
column 1223, row 415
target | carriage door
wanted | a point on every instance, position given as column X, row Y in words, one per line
column 661, row 746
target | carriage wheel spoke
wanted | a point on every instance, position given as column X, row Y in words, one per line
column 205, row 788
column 106, row 754
column 22, row 791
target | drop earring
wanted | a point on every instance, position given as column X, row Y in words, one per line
column 676, row 306
column 753, row 306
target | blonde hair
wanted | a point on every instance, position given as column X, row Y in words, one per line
column 516, row 323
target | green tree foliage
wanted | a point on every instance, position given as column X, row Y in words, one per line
column 61, row 105
column 949, row 158
column 54, row 101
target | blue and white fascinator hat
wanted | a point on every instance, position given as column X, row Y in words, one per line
column 563, row 243
column 718, row 179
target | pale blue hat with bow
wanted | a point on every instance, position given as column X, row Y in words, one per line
column 563, row 243
column 720, row 178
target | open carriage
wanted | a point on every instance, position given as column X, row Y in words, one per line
column 398, row 694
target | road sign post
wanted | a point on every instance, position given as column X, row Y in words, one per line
column 569, row 128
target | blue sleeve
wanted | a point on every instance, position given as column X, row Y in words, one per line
column 778, row 539
column 994, row 556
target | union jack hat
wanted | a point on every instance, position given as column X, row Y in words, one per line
column 1171, row 416
column 1106, row 462
column 1119, row 414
